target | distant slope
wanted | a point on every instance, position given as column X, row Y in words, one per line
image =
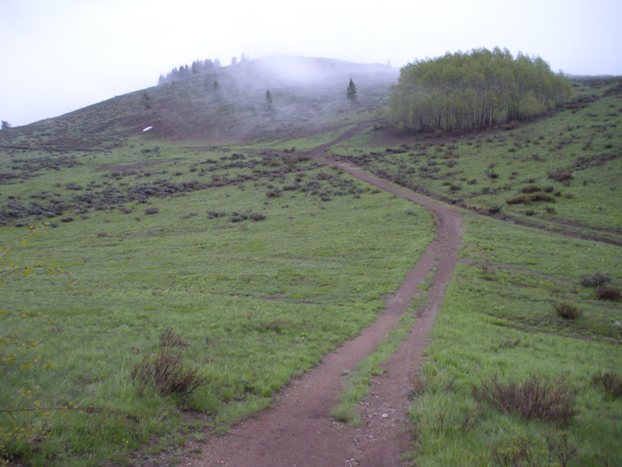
column 308, row 94
column 560, row 172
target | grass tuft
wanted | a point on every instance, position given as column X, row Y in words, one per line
column 170, row 338
column 514, row 451
column 562, row 447
column 610, row 382
column 166, row 370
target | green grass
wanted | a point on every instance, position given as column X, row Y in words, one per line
column 257, row 302
column 304, row 143
column 498, row 320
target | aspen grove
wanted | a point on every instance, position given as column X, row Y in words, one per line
column 479, row 89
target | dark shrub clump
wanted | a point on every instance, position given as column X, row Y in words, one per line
column 73, row 186
column 562, row 176
column 595, row 280
column 551, row 401
column 611, row 382
column 528, row 198
column 273, row 193
column 215, row 214
column 608, row 293
column 532, row 188
column 567, row 310
column 494, row 209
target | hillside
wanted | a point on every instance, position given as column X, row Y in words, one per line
column 248, row 248
column 561, row 172
column 309, row 95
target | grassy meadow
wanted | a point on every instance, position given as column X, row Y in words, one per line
column 259, row 277
column 499, row 322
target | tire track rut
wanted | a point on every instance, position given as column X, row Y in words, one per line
column 297, row 429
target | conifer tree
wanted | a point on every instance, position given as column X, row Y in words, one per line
column 146, row 100
column 269, row 106
column 351, row 92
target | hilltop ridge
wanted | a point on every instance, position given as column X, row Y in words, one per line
column 308, row 95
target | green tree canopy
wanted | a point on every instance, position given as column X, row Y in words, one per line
column 479, row 89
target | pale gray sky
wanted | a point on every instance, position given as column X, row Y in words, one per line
column 60, row 55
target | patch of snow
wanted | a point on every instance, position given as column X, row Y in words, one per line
column 147, row 129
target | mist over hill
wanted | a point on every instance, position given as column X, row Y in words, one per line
column 227, row 104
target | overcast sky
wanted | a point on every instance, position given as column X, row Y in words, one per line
column 60, row 55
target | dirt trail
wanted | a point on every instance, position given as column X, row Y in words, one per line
column 298, row 430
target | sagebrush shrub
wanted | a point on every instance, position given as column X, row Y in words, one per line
column 273, row 193
column 608, row 293
column 567, row 310
column 551, row 401
column 215, row 214
column 531, row 188
column 609, row 381
column 562, row 176
column 494, row 209
column 528, row 198
column 595, row 280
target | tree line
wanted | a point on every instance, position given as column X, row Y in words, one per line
column 479, row 89
column 184, row 71
column 198, row 67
